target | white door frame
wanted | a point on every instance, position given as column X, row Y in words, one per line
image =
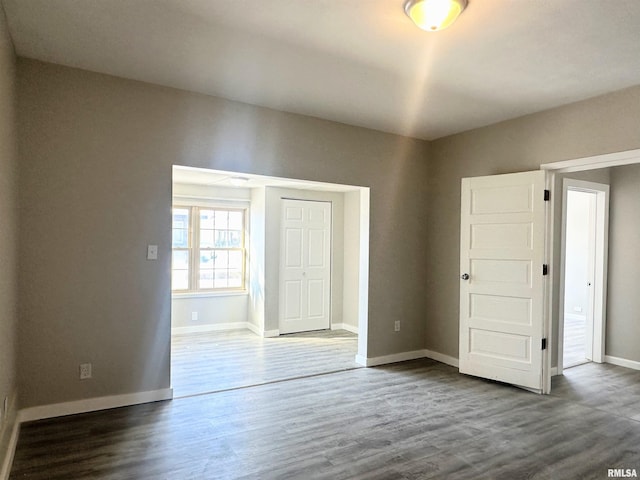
column 627, row 157
column 597, row 255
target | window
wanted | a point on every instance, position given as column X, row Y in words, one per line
column 208, row 249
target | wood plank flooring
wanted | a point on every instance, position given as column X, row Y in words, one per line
column 215, row 361
column 605, row 387
column 573, row 349
column 411, row 420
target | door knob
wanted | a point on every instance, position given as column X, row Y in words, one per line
column 465, row 276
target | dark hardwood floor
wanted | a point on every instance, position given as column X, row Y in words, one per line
column 411, row 420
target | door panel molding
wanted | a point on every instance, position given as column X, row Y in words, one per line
column 305, row 266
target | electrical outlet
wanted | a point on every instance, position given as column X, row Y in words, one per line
column 194, row 316
column 85, row 371
column 396, row 326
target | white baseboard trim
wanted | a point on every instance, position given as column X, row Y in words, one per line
column 622, row 362
column 92, row 404
column 7, row 461
column 344, row 326
column 393, row 358
column 218, row 327
column 442, row 358
column 214, row 327
column 254, row 328
column 405, row 356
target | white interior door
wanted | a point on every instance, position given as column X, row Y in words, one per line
column 305, row 266
column 502, row 249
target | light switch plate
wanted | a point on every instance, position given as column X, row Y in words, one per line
column 152, row 252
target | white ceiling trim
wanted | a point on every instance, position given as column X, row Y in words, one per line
column 616, row 159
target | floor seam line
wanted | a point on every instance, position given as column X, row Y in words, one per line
column 271, row 382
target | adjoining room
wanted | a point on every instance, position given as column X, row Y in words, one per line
column 228, row 229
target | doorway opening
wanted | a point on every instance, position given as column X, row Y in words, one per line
column 583, row 272
column 230, row 337
column 579, row 263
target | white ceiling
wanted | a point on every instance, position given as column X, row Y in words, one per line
column 360, row 62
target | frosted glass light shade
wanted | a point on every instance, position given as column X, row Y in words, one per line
column 434, row 15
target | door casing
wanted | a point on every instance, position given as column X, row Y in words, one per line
column 598, row 300
column 616, row 159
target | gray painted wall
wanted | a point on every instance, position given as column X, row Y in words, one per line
column 8, row 234
column 623, row 301
column 605, row 124
column 92, row 146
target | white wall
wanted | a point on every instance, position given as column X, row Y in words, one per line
column 257, row 259
column 211, row 194
column 351, row 277
column 579, row 206
column 214, row 312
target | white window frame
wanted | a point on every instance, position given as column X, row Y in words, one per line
column 194, row 208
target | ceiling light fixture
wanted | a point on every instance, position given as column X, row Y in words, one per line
column 434, row 15
column 238, row 181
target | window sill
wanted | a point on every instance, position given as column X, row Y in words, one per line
column 229, row 293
